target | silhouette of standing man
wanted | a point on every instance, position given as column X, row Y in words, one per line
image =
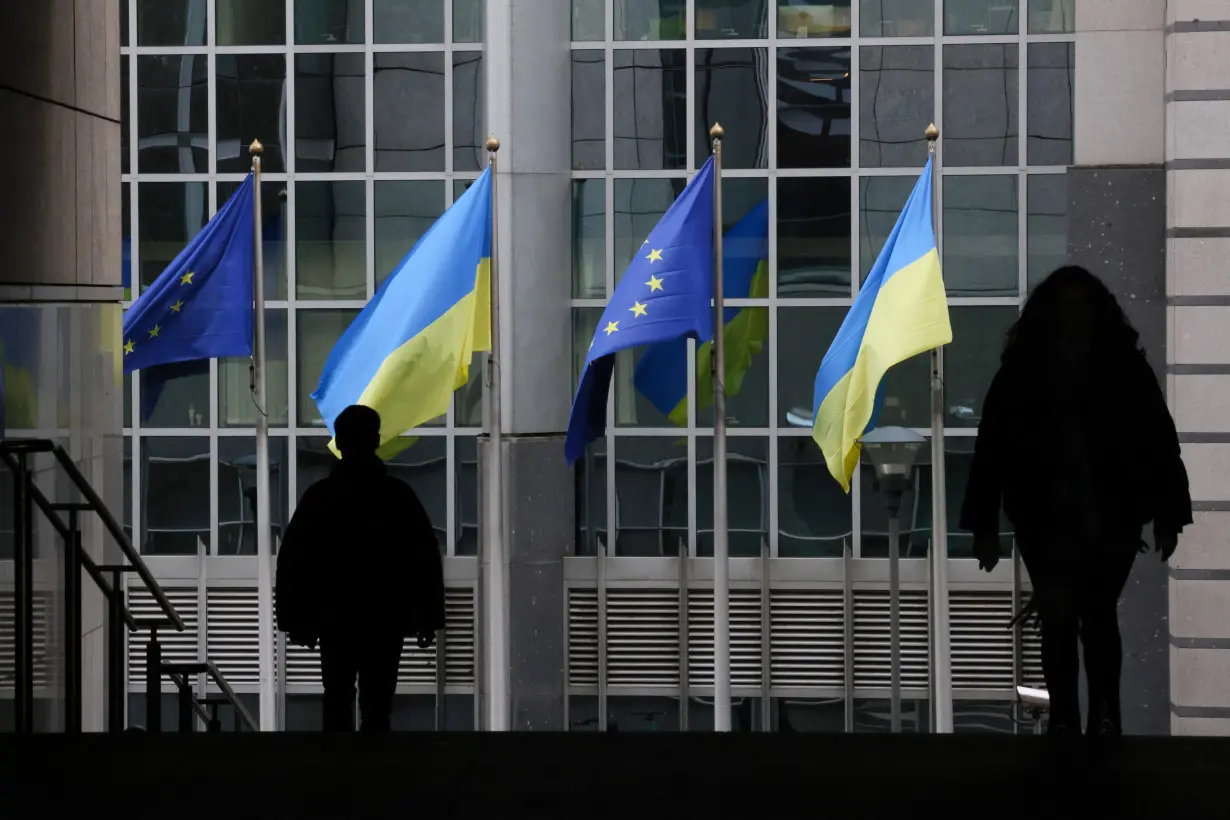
column 359, row 571
column 1077, row 443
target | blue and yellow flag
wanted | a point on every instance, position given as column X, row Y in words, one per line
column 410, row 348
column 662, row 373
column 900, row 311
column 666, row 294
column 200, row 307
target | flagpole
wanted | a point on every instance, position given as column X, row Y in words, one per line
column 721, row 547
column 264, row 552
column 494, row 562
column 941, row 652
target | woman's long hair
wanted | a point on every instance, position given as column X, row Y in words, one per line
column 1071, row 316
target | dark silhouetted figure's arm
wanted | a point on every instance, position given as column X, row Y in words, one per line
column 299, row 570
column 984, row 490
column 425, row 569
column 1166, row 475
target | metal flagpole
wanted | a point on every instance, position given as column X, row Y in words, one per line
column 721, row 547
column 495, row 559
column 264, row 551
column 941, row 655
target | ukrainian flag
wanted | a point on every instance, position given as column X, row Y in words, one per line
column 900, row 311
column 411, row 347
column 662, row 372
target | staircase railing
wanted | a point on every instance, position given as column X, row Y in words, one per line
column 15, row 454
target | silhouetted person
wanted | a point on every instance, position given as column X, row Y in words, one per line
column 1078, row 445
column 359, row 571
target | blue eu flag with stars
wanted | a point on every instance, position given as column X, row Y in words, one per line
column 665, row 294
column 200, row 307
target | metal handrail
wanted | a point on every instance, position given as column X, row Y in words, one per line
column 209, row 668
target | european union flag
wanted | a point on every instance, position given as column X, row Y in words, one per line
column 200, row 307
column 665, row 294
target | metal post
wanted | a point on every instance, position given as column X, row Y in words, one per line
column 766, row 638
column 72, row 625
column 495, row 548
column 116, row 654
column 721, row 546
column 941, row 653
column 264, row 545
column 23, row 570
column 441, row 678
column 847, row 607
column 894, row 612
column 153, row 683
column 185, row 705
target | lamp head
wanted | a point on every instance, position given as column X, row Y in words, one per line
column 891, row 451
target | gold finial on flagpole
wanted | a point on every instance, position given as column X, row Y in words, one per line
column 493, row 144
column 256, row 149
column 933, row 133
column 717, row 131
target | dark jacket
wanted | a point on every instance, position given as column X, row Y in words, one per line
column 1094, row 453
column 359, row 553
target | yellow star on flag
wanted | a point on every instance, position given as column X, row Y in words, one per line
column 176, row 307
column 153, row 334
column 186, row 279
column 128, row 346
column 611, row 327
column 637, row 309
column 654, row 256
column 654, row 284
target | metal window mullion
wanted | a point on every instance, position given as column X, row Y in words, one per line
column 289, row 51
column 448, row 95
column 856, row 262
column 1022, row 147
column 689, row 56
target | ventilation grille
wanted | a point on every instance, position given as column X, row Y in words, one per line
column 46, row 650
column 873, row 642
column 982, row 643
column 808, row 638
column 177, row 647
column 642, row 643
column 233, row 642
column 745, row 638
column 582, row 637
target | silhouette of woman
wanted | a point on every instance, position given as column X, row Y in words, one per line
column 1077, row 443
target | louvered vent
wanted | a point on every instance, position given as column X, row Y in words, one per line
column 982, row 643
column 642, row 642
column 582, row 637
column 872, row 640
column 745, row 637
column 233, row 633
column 808, row 638
column 46, row 652
column 418, row 666
column 177, row 647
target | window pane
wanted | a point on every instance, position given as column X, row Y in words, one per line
column 170, row 22
column 584, row 326
column 405, row 83
column 318, row 22
column 236, row 402
column 880, row 201
column 1052, row 16
column 251, row 22
column 897, row 100
column 962, row 17
column 650, row 109
column 958, row 455
column 591, row 522
column 814, row 514
column 588, row 110
column 1047, row 224
column 174, row 505
column 404, row 211
column 251, row 91
column 980, row 235
column 468, row 399
column 408, row 21
column 587, row 22
column 731, row 86
column 807, row 715
column 803, row 337
column 588, row 238
column 469, row 140
column 126, row 512
column 642, row 714
column 813, row 236
column 632, row 408
column 172, row 114
column 896, row 18
column 1051, row 89
column 125, row 112
column 126, row 240
column 813, row 107
column 169, row 216
column 175, row 396
column 237, row 521
column 747, row 495
column 983, row 128
column 915, row 515
column 651, row 496
column 330, row 131
column 123, row 4
column 316, row 333
column 650, row 19
column 730, row 20
column 273, row 232
column 465, row 451
column 639, row 204
column 330, row 241
column 424, row 466
column 971, row 360
column 798, row 18
column 468, row 20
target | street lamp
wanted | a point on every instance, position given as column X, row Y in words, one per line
column 891, row 452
